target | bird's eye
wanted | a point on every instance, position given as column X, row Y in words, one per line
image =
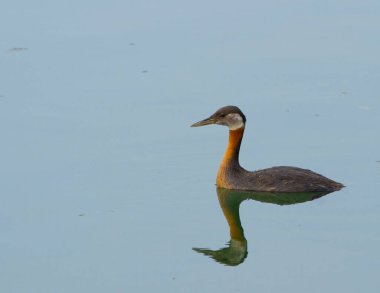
column 222, row 115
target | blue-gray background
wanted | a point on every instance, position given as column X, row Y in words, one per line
column 105, row 188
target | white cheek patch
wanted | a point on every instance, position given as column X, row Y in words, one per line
column 234, row 121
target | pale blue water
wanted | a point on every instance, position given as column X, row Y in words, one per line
column 106, row 188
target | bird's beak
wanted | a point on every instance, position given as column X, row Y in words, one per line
column 204, row 122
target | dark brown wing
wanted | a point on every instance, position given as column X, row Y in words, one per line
column 289, row 179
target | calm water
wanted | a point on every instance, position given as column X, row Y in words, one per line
column 106, row 188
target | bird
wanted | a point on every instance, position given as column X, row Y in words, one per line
column 275, row 179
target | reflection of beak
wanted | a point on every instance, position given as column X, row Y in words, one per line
column 204, row 122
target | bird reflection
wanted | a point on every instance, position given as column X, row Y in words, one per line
column 230, row 200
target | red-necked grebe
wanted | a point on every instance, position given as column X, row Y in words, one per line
column 279, row 179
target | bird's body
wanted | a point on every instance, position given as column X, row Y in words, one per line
column 276, row 179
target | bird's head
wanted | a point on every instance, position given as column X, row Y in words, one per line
column 230, row 116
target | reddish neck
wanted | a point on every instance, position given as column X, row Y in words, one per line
column 230, row 161
column 232, row 152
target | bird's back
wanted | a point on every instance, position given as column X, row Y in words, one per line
column 283, row 179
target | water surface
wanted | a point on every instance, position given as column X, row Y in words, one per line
column 106, row 188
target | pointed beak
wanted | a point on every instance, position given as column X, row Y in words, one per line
column 204, row 122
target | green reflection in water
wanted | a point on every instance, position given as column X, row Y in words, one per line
column 230, row 200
